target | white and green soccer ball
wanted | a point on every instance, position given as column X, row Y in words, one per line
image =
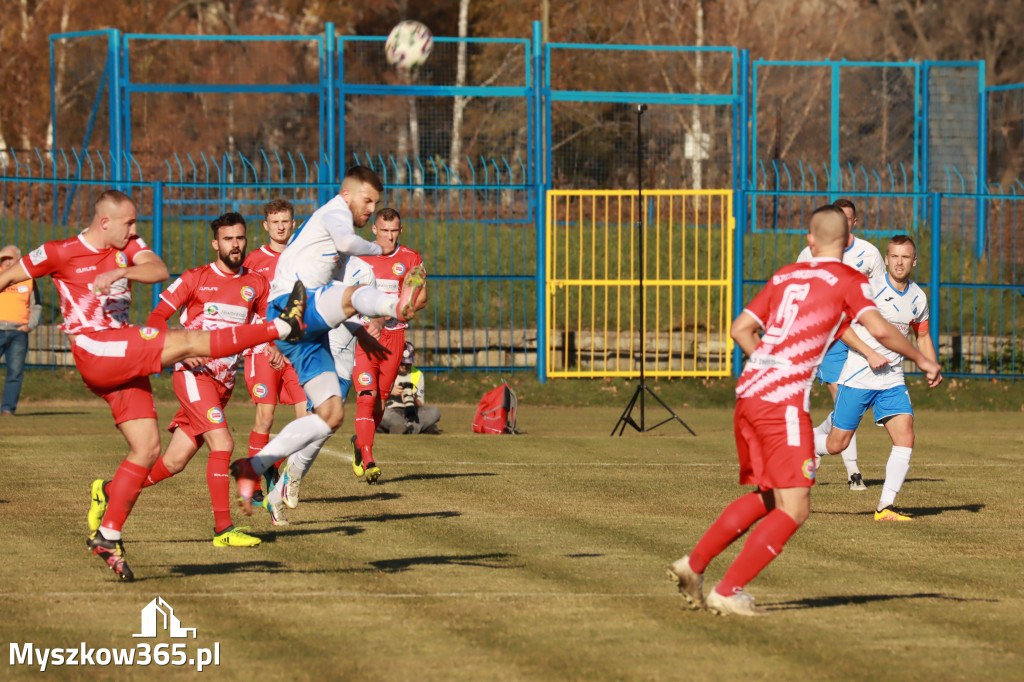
column 409, row 45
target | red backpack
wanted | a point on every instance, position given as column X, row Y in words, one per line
column 496, row 412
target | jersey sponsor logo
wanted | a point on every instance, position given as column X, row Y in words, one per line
column 22, row 288
column 248, row 293
column 234, row 314
column 259, row 390
column 215, row 415
column 121, row 259
column 398, row 269
column 806, row 274
column 86, row 269
column 364, row 379
column 37, row 256
column 808, row 469
column 148, row 332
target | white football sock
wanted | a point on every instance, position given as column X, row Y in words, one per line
column 300, row 462
column 373, row 303
column 283, row 328
column 295, row 436
column 895, row 474
column 821, row 432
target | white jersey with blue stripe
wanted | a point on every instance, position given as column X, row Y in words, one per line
column 317, row 252
column 903, row 309
column 343, row 343
column 862, row 256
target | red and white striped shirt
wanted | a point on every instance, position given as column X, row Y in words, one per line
column 390, row 271
column 800, row 309
column 74, row 266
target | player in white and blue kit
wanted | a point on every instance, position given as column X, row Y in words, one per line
column 864, row 257
column 343, row 340
column 884, row 389
column 316, row 255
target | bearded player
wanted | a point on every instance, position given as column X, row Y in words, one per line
column 218, row 295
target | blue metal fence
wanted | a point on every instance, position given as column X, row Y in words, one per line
column 924, row 148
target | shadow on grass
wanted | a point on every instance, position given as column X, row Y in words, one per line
column 582, row 556
column 268, row 535
column 431, row 477
column 498, row 560
column 187, row 570
column 355, row 498
column 60, row 413
column 913, row 511
column 856, row 599
column 381, row 518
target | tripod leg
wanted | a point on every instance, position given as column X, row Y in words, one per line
column 626, row 417
column 669, row 409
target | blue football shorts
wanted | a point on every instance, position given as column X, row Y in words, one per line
column 852, row 403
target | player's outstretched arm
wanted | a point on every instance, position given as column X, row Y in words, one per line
column 148, row 268
column 744, row 332
column 891, row 338
column 15, row 273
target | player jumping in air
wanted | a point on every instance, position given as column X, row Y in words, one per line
column 316, row 256
column 92, row 273
column 799, row 309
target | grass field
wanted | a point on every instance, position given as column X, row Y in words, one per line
column 539, row 557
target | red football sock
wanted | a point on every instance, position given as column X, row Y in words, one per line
column 731, row 524
column 761, row 548
column 257, row 441
column 230, row 340
column 122, row 492
column 219, row 482
column 366, row 425
column 158, row 473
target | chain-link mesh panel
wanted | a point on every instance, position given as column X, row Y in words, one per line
column 793, row 120
column 952, row 128
column 1006, row 140
column 876, row 122
column 412, row 136
column 214, row 124
column 81, row 91
column 491, row 63
column 225, row 122
column 593, row 144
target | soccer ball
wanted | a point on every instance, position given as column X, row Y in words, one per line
column 409, row 45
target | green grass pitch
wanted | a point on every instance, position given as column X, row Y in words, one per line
column 537, row 557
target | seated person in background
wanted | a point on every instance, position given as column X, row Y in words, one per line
column 405, row 411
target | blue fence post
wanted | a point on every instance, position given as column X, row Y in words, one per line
column 116, row 139
column 920, row 211
column 936, row 269
column 541, row 170
column 329, row 105
column 740, row 197
column 981, row 179
column 835, row 180
column 158, row 231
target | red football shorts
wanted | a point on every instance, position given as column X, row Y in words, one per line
column 775, row 444
column 379, row 375
column 116, row 363
column 202, row 401
column 270, row 386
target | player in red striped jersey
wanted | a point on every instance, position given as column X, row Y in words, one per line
column 92, row 273
column 218, row 295
column 373, row 377
column 269, row 376
column 799, row 309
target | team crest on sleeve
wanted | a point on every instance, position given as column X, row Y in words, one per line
column 398, row 269
column 215, row 415
column 248, row 293
column 364, row 379
column 148, row 332
column 121, row 259
column 808, row 468
column 866, row 290
column 37, row 256
column 259, row 390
